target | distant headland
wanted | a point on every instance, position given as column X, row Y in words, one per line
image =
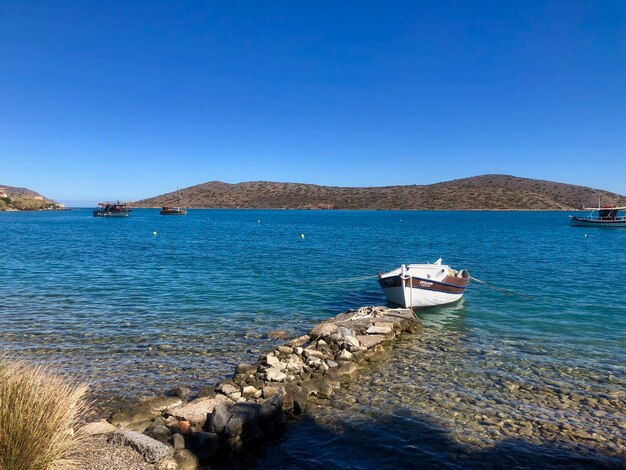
column 485, row 192
column 23, row 199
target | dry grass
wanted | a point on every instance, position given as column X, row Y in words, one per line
column 39, row 415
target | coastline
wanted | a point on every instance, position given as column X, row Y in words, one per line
column 346, row 356
column 254, row 403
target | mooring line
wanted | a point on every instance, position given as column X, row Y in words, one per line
column 501, row 289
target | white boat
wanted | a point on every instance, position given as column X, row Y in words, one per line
column 424, row 285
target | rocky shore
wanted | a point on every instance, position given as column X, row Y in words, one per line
column 183, row 431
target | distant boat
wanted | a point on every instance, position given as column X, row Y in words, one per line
column 171, row 210
column 424, row 285
column 600, row 217
column 168, row 210
column 112, row 209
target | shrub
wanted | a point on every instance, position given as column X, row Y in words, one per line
column 39, row 415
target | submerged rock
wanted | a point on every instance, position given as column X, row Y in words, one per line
column 279, row 334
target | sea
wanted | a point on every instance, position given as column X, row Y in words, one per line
column 139, row 305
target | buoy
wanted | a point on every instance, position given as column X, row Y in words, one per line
column 154, row 233
column 585, row 235
column 259, row 221
column 302, row 235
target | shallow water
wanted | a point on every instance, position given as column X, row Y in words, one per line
column 138, row 313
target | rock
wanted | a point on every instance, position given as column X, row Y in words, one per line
column 271, row 360
column 240, row 380
column 323, row 330
column 379, row 330
column 235, row 396
column 203, row 444
column 249, row 420
column 331, row 364
column 370, row 341
column 351, row 343
column 181, row 427
column 159, row 432
column 227, row 388
column 313, row 353
column 344, row 332
column 293, row 367
column 299, row 351
column 196, row 411
column 139, row 417
column 344, row 355
column 298, row 402
column 269, row 390
column 314, row 361
column 299, row 341
column 150, row 449
column 207, row 392
column 98, row 427
column 178, row 441
column 279, row 334
column 347, row 368
column 246, row 368
column 218, row 418
column 284, row 349
column 181, row 460
column 234, row 443
column 320, row 388
column 273, row 374
column 184, row 393
column 249, row 391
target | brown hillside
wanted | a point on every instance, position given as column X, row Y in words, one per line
column 13, row 198
column 494, row 192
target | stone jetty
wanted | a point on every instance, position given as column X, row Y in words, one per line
column 182, row 431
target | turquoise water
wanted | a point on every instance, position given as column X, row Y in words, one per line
column 138, row 313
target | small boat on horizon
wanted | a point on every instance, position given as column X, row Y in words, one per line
column 424, row 285
column 169, row 210
column 112, row 209
column 606, row 217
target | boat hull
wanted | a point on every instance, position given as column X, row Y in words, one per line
column 98, row 213
column 173, row 212
column 414, row 292
column 582, row 222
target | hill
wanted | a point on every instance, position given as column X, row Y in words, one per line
column 487, row 192
column 13, row 198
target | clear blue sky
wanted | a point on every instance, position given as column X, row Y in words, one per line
column 124, row 100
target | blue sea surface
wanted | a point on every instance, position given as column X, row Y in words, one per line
column 141, row 304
